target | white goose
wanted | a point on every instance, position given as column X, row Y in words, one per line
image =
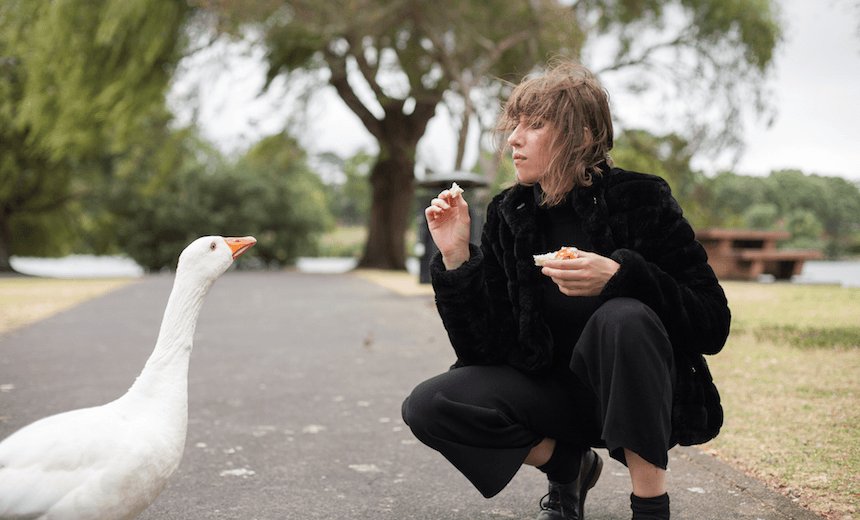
column 110, row 462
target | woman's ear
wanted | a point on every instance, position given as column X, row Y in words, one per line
column 587, row 133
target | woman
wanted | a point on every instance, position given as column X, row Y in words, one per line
column 603, row 350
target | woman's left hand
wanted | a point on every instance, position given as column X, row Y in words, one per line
column 585, row 275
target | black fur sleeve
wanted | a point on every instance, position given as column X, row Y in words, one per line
column 473, row 303
column 664, row 266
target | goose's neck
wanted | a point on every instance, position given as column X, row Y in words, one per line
column 168, row 364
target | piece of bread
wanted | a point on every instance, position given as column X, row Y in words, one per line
column 455, row 189
column 563, row 253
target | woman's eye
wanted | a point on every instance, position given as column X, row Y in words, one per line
column 537, row 125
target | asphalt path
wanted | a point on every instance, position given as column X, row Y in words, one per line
column 295, row 387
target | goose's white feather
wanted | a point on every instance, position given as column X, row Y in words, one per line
column 110, row 462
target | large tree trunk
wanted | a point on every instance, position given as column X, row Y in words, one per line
column 393, row 186
column 393, row 177
column 392, row 181
column 5, row 266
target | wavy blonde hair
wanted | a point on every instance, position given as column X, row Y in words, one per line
column 572, row 100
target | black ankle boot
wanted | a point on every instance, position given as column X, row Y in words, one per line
column 567, row 501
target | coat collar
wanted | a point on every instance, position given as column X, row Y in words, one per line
column 519, row 210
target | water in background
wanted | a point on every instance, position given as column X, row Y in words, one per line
column 83, row 266
column 846, row 274
column 78, row 266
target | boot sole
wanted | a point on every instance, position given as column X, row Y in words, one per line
column 591, row 480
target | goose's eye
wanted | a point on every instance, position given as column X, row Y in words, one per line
column 212, row 246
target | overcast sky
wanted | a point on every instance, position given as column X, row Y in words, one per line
column 816, row 89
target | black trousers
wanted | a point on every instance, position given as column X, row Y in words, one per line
column 617, row 394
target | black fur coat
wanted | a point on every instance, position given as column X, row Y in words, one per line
column 491, row 304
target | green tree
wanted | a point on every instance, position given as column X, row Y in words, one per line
column 140, row 202
column 32, row 216
column 668, row 157
column 93, row 68
column 411, row 55
column 280, row 200
column 840, row 215
column 77, row 80
column 832, row 202
column 805, row 228
column 730, row 195
column 762, row 215
column 350, row 199
column 269, row 193
column 791, row 189
column 815, row 209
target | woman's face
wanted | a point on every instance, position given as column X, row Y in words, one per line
column 531, row 149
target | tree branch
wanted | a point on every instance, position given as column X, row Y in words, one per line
column 368, row 71
column 26, row 204
column 644, row 56
column 466, row 86
column 338, row 80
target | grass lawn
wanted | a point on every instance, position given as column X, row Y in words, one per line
column 344, row 241
column 24, row 300
column 349, row 241
column 789, row 377
column 790, row 381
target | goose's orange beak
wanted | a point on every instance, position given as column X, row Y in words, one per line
column 240, row 244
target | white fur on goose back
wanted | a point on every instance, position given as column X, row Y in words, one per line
column 110, row 462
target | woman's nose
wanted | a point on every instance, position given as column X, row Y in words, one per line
column 514, row 139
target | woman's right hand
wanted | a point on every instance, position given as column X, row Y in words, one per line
column 449, row 223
